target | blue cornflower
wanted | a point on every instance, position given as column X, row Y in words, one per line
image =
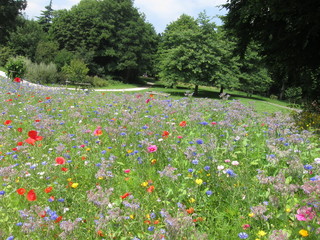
column 207, row 168
column 19, row 224
column 199, row 141
column 315, row 178
column 60, row 200
column 231, row 173
column 209, row 193
column 2, row 192
column 190, row 170
column 308, row 167
column 195, row 162
column 243, row 235
column 203, row 123
column 151, row 228
column 123, row 134
column 10, row 238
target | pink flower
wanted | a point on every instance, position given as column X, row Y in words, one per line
column 152, row 148
column 127, row 170
column 97, row 131
column 246, row 226
column 148, row 100
column 179, row 137
column 305, row 214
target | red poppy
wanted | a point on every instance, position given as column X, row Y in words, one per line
column 30, row 141
column 37, row 120
column 14, row 149
column 125, row 195
column 33, row 134
column 58, row 219
column 17, row 79
column 20, row 143
column 64, row 169
column 31, row 196
column 60, row 160
column 183, row 124
column 165, row 134
column 19, row 129
column 7, row 122
column 21, row 191
column 42, row 214
column 48, row 189
column 48, row 98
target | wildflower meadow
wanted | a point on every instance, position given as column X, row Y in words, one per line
column 79, row 165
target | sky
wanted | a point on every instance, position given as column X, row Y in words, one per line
column 159, row 13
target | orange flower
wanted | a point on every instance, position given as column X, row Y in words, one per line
column 100, row 233
column 21, row 191
column 183, row 124
column 150, row 189
column 58, row 219
column 31, row 196
column 48, row 189
column 190, row 210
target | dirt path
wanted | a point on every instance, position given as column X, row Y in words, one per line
column 289, row 108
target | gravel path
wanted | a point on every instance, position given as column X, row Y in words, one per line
column 26, row 83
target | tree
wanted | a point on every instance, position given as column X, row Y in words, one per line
column 288, row 32
column 24, row 40
column 45, row 19
column 46, row 51
column 112, row 34
column 9, row 11
column 188, row 52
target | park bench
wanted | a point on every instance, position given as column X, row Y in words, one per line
column 80, row 85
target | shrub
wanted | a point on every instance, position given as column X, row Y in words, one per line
column 76, row 71
column 309, row 118
column 42, row 73
column 293, row 94
column 5, row 54
column 16, row 67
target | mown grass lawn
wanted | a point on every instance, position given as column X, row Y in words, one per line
column 98, row 165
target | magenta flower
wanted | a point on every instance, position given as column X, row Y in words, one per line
column 305, row 214
column 152, row 148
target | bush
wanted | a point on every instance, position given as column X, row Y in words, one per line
column 5, row 54
column 100, row 82
column 16, row 67
column 76, row 71
column 42, row 73
column 293, row 94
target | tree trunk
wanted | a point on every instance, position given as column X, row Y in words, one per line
column 221, row 89
column 196, row 90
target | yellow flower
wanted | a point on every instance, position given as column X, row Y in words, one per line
column 74, row 185
column 288, row 210
column 144, row 184
column 304, row 233
column 251, row 214
column 261, row 233
column 132, row 216
column 199, row 181
column 88, row 149
column 69, row 179
column 100, row 178
column 192, row 200
column 153, row 161
column 129, row 151
column 148, row 216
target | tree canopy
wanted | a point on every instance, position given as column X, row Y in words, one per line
column 9, row 11
column 113, row 34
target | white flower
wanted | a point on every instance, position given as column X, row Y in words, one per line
column 317, row 160
column 220, row 167
column 235, row 163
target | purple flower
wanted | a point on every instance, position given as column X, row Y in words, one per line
column 243, row 235
column 199, row 141
column 308, row 167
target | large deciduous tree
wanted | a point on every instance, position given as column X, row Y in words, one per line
column 9, row 11
column 287, row 31
column 112, row 35
column 188, row 52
